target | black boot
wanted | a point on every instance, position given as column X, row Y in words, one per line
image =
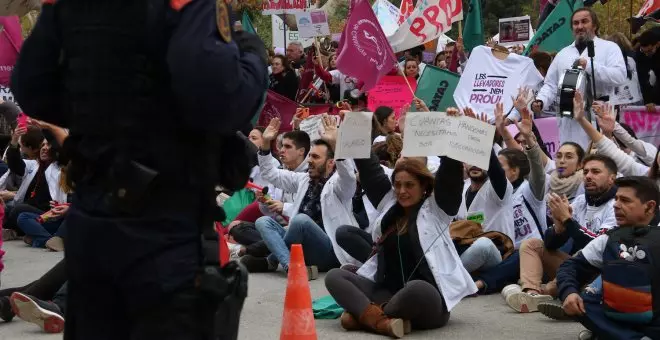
column 6, row 314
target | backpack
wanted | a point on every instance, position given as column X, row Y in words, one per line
column 631, row 275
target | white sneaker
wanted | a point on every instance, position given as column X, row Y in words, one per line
column 510, row 289
column 586, row 335
column 526, row 303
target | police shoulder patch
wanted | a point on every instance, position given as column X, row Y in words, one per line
column 222, row 20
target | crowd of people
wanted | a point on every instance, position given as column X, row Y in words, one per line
column 404, row 239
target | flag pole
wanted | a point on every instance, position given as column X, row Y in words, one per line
column 460, row 28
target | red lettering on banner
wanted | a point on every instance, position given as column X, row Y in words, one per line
column 431, row 15
column 417, row 27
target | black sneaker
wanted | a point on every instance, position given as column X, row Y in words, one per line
column 257, row 264
column 6, row 314
column 45, row 314
column 554, row 310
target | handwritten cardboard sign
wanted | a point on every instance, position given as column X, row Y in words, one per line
column 391, row 91
column 354, row 139
column 436, row 134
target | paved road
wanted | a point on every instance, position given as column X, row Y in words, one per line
column 485, row 317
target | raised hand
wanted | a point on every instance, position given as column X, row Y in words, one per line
column 453, row 112
column 330, row 130
column 271, row 131
column 578, row 106
column 605, row 118
column 499, row 117
column 525, row 124
column 470, row 113
column 522, row 100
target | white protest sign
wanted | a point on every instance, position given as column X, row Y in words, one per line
column 278, row 28
column 436, row 134
column 473, row 144
column 628, row 93
column 312, row 24
column 387, row 15
column 425, row 133
column 515, row 31
column 354, row 136
column 313, row 126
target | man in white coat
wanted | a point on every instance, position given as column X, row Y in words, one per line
column 322, row 203
column 608, row 64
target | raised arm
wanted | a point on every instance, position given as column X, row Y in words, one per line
column 645, row 151
column 346, row 183
column 536, row 177
column 282, row 179
column 449, row 185
column 373, row 179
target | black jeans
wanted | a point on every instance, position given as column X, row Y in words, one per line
column 246, row 234
column 355, row 241
column 45, row 287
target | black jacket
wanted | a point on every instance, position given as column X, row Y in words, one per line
column 651, row 94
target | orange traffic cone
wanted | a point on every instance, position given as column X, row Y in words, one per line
column 298, row 318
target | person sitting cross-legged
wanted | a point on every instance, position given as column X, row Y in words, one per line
column 622, row 305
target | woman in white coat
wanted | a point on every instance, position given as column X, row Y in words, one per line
column 415, row 276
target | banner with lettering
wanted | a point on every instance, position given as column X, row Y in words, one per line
column 436, row 88
column 461, row 138
column 391, row 91
column 387, row 15
column 429, row 20
column 283, row 6
column 645, row 124
column 555, row 33
column 547, row 129
column 11, row 41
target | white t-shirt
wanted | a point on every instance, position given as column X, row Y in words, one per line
column 523, row 220
column 487, row 208
column 593, row 220
column 487, row 80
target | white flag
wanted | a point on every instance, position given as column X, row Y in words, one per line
column 387, row 15
column 430, row 20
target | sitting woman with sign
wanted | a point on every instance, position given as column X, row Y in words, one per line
column 415, row 277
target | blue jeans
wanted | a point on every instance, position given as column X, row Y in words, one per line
column 495, row 278
column 317, row 247
column 482, row 254
column 40, row 233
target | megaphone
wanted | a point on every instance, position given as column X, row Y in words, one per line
column 251, row 185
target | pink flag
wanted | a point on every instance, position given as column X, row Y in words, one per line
column 11, row 41
column 365, row 53
column 278, row 106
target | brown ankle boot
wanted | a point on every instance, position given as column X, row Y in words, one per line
column 349, row 323
column 407, row 325
column 375, row 320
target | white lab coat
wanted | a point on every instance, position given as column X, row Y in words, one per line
column 610, row 71
column 453, row 280
column 52, row 178
column 336, row 197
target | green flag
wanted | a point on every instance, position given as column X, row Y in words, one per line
column 473, row 32
column 436, row 88
column 555, row 33
column 247, row 23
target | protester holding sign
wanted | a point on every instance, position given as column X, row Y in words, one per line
column 608, row 64
column 420, row 283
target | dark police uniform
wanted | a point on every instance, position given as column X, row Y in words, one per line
column 149, row 90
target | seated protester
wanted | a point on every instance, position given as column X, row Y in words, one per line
column 41, row 181
column 623, row 306
column 293, row 152
column 525, row 172
column 29, row 143
column 43, row 288
column 627, row 165
column 583, row 220
column 322, row 203
column 407, row 283
column 42, row 231
column 487, row 198
column 47, row 314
